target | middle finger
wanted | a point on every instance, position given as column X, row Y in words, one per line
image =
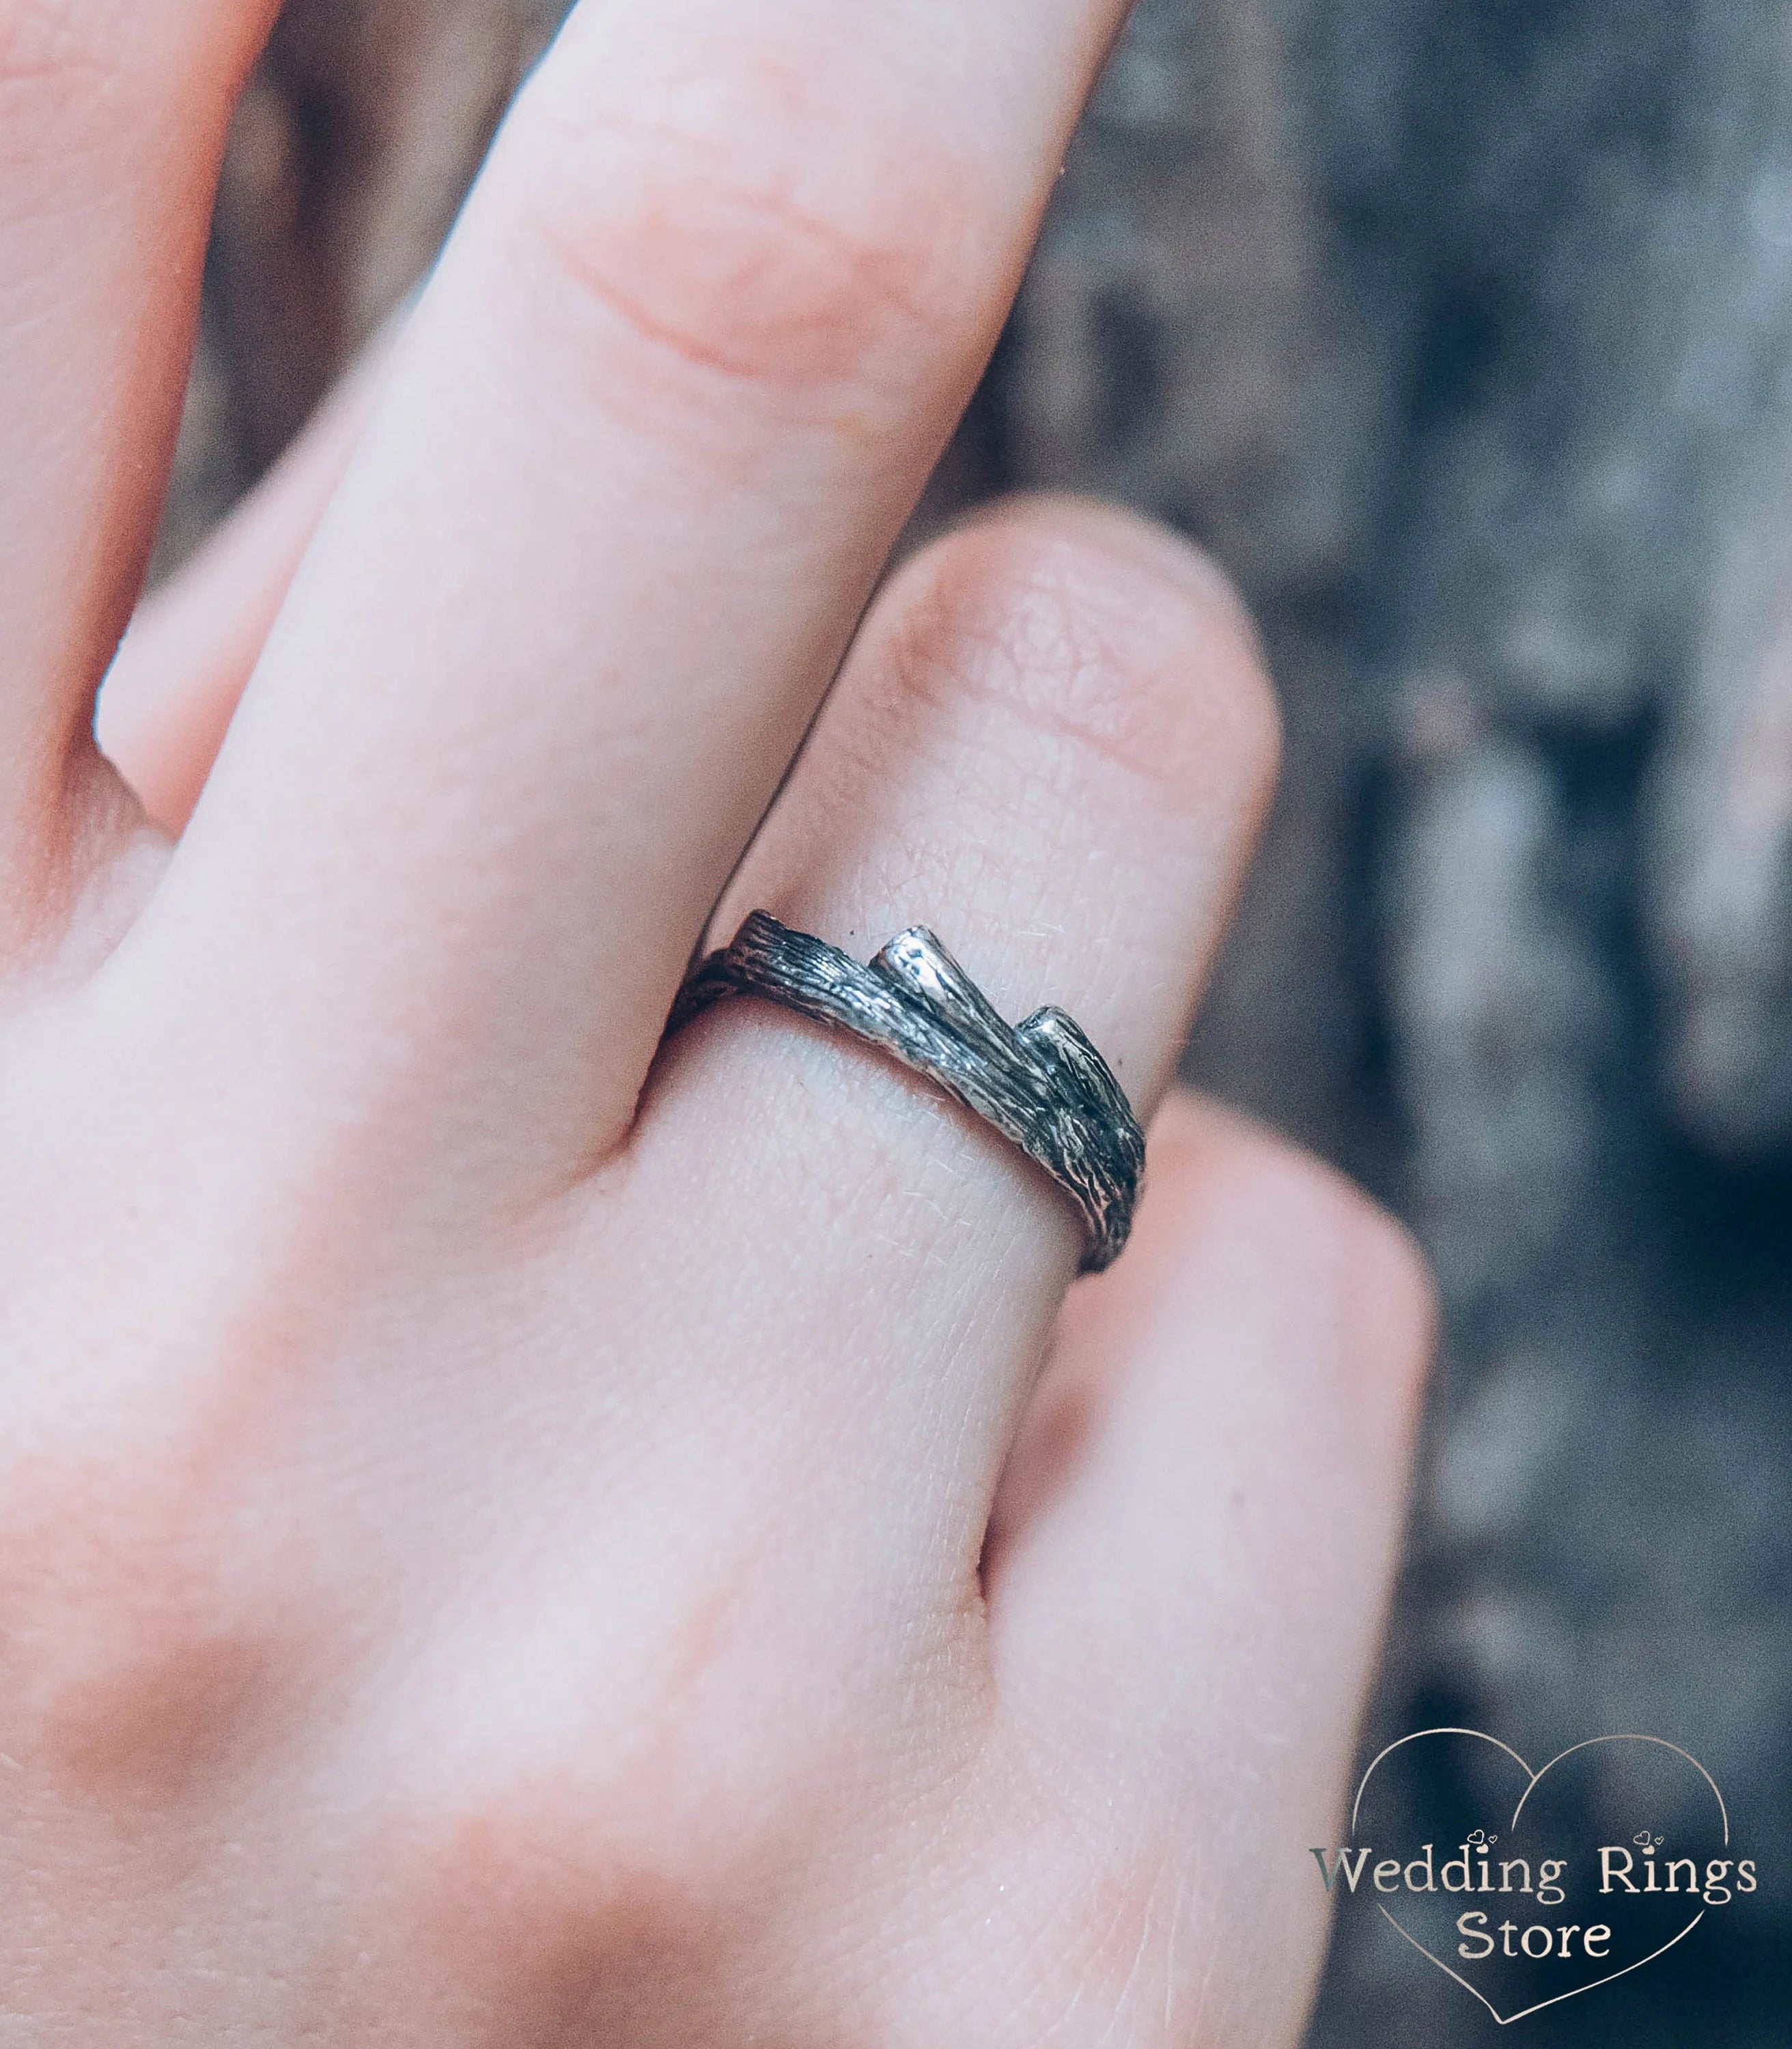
column 724, row 288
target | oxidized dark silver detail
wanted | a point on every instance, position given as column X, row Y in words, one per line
column 1040, row 1083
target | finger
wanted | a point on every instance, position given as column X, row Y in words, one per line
column 114, row 124
column 727, row 282
column 1190, row 1561
column 1051, row 745
column 179, row 671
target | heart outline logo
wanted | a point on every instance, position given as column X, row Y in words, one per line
column 1532, row 1779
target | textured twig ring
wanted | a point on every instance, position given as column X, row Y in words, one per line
column 1041, row 1083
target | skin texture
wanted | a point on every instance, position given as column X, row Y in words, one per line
column 509, row 1535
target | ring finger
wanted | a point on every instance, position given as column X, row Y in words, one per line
column 1051, row 745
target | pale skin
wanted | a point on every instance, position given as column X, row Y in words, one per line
column 506, row 1539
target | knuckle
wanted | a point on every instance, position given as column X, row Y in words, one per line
column 710, row 243
column 157, row 1611
column 549, row 1837
column 1108, row 634
column 531, row 1886
column 137, row 1662
column 547, row 1876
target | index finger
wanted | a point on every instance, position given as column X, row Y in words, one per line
column 724, row 286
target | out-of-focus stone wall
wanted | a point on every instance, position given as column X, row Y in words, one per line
column 1461, row 330
column 1506, row 468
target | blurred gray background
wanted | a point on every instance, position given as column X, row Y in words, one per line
column 1461, row 331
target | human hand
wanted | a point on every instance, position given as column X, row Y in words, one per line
column 504, row 1539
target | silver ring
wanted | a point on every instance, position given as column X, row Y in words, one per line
column 1040, row 1083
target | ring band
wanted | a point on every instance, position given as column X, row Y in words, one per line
column 1041, row 1083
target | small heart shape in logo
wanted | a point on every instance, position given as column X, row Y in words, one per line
column 1511, row 1889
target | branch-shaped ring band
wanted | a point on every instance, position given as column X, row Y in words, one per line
column 1040, row 1083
